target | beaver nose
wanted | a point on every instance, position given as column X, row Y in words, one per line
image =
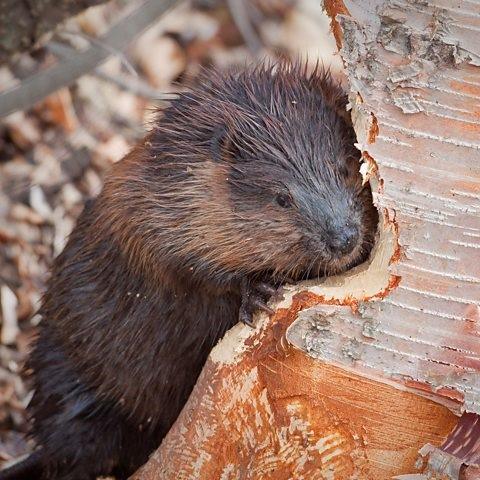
column 343, row 241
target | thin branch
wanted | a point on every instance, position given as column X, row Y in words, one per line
column 132, row 84
column 117, row 53
column 42, row 84
column 135, row 85
column 242, row 20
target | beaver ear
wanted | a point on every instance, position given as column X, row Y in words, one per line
column 222, row 146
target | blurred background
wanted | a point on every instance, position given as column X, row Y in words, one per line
column 55, row 152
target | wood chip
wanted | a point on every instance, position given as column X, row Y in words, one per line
column 114, row 149
column 22, row 213
column 39, row 202
column 9, row 316
column 161, row 74
column 22, row 129
column 58, row 109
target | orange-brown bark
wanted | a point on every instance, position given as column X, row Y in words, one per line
column 274, row 413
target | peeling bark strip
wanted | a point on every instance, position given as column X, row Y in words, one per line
column 23, row 22
column 461, row 449
column 464, row 441
column 329, row 387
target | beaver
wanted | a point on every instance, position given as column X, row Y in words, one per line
column 247, row 179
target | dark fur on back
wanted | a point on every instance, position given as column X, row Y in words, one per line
column 250, row 175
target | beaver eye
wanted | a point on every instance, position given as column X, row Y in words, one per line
column 283, row 200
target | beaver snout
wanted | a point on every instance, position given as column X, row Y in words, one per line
column 343, row 240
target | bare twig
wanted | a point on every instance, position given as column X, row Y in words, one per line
column 38, row 86
column 242, row 20
column 136, row 86
column 133, row 84
column 117, row 53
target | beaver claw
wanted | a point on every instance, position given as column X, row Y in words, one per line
column 254, row 297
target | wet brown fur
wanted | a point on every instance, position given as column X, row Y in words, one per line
column 150, row 277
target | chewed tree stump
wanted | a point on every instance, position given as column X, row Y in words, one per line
column 374, row 374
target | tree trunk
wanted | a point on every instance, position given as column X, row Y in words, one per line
column 23, row 22
column 359, row 376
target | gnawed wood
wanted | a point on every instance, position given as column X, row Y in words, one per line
column 263, row 410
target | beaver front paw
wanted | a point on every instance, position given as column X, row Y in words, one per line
column 254, row 297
